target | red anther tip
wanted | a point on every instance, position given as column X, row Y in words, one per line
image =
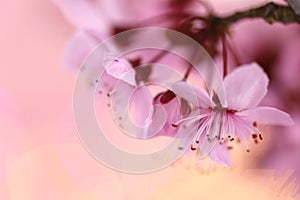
column 255, row 124
column 175, row 125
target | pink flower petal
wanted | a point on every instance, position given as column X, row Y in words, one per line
column 141, row 100
column 122, row 69
column 79, row 46
column 106, row 83
column 239, row 128
column 118, row 68
column 126, row 111
column 221, row 155
column 84, row 13
column 104, row 15
column 267, row 115
column 173, row 111
column 133, row 110
column 245, row 87
column 158, row 121
column 196, row 96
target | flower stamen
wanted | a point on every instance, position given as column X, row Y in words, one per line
column 255, row 124
column 193, row 148
column 193, row 118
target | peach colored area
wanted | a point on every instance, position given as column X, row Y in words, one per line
column 41, row 155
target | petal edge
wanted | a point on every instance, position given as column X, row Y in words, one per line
column 268, row 115
column 246, row 86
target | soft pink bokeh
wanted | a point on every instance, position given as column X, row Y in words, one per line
column 41, row 155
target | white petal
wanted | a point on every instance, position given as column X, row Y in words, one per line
column 147, row 119
column 121, row 69
column 196, row 96
column 158, row 120
column 245, row 87
column 267, row 115
column 141, row 101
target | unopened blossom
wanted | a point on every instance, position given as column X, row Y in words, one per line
column 213, row 126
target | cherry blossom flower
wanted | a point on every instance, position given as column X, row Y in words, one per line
column 213, row 126
column 221, row 122
column 151, row 115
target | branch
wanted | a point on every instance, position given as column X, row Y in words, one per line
column 270, row 12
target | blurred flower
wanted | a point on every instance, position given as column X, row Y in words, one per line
column 78, row 47
column 97, row 20
column 104, row 16
column 244, row 87
column 274, row 47
column 284, row 148
column 288, row 68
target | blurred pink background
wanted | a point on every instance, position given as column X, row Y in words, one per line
column 41, row 155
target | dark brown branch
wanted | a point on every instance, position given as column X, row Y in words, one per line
column 270, row 12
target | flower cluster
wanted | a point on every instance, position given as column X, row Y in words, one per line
column 213, row 126
column 210, row 123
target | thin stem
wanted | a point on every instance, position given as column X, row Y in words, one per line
column 225, row 56
column 188, row 72
column 160, row 55
column 232, row 49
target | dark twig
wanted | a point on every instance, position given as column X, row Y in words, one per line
column 270, row 12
